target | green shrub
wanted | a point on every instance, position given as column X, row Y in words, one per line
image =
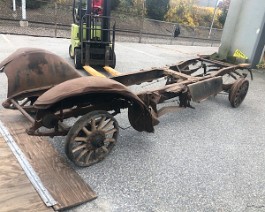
column 114, row 4
column 224, row 8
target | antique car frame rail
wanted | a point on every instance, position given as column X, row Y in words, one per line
column 97, row 100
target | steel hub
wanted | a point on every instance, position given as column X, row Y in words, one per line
column 96, row 139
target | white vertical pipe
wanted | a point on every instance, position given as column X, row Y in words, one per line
column 23, row 3
column 14, row 5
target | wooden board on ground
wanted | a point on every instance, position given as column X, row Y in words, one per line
column 62, row 182
column 16, row 191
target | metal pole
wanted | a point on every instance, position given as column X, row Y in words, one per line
column 172, row 34
column 55, row 19
column 32, row 120
column 193, row 36
column 23, row 3
column 214, row 13
column 14, row 5
column 142, row 24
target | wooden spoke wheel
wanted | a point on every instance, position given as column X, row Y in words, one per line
column 91, row 138
column 238, row 92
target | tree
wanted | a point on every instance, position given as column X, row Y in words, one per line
column 187, row 12
column 156, row 9
column 181, row 12
column 132, row 7
column 114, row 4
column 224, row 6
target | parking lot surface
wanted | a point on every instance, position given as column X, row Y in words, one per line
column 207, row 159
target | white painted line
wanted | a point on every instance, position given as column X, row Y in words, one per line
column 142, row 52
column 7, row 40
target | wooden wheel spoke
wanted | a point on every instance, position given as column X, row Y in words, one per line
column 82, row 139
column 110, row 140
column 105, row 149
column 81, row 154
column 102, row 120
column 106, row 126
column 88, row 156
column 86, row 131
column 93, row 124
column 111, row 131
column 78, row 148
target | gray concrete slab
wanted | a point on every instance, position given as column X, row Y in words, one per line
column 207, row 159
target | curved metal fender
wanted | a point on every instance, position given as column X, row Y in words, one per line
column 31, row 69
column 139, row 114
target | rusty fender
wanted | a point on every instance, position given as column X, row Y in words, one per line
column 32, row 71
column 81, row 94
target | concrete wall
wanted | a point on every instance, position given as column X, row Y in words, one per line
column 243, row 28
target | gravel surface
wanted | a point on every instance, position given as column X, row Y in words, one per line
column 207, row 159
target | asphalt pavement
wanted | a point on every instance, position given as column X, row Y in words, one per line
column 210, row 158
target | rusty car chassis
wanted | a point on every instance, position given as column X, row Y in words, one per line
column 48, row 92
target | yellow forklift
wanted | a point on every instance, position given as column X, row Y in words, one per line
column 92, row 36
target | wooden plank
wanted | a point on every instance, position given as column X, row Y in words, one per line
column 16, row 191
column 63, row 183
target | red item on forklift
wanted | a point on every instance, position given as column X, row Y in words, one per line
column 98, row 3
column 97, row 6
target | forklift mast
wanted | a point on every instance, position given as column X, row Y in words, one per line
column 91, row 41
column 98, row 11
